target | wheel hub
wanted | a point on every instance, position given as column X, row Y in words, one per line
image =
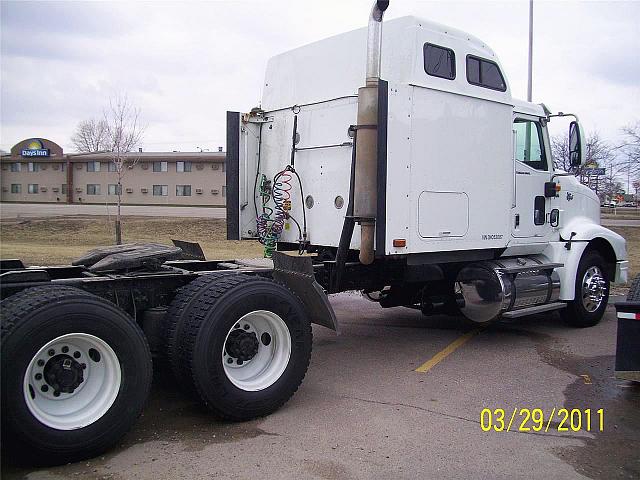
column 63, row 373
column 256, row 350
column 242, row 345
column 72, row 381
column 594, row 288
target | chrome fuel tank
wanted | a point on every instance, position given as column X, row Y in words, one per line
column 485, row 290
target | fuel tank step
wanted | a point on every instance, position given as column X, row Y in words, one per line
column 527, row 268
column 534, row 310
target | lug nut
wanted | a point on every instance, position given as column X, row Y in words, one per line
column 83, row 365
column 56, row 393
column 38, row 376
column 246, row 326
column 240, row 362
column 237, row 325
column 41, row 363
column 51, row 352
column 65, row 349
column 76, row 354
column 44, row 388
column 229, row 360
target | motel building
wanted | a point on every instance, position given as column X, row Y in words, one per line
column 38, row 171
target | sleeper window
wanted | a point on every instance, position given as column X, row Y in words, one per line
column 485, row 73
column 439, row 61
column 528, row 144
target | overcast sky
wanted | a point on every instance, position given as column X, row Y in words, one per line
column 186, row 64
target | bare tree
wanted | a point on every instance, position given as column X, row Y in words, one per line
column 90, row 136
column 630, row 150
column 599, row 153
column 123, row 135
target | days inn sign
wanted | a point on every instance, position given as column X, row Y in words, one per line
column 35, row 149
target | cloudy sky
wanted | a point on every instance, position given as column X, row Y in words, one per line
column 185, row 64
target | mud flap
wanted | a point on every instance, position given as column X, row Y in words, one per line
column 296, row 272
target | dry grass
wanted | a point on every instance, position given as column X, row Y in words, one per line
column 632, row 236
column 58, row 240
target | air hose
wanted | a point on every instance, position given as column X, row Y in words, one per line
column 272, row 221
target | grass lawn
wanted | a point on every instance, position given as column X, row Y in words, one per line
column 58, row 240
column 632, row 236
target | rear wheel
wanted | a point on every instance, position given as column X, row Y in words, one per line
column 591, row 293
column 246, row 345
column 76, row 372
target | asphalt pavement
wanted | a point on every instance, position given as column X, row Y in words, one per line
column 614, row 222
column 364, row 412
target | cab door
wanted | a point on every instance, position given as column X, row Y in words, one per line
column 532, row 169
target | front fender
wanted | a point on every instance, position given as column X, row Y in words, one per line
column 585, row 232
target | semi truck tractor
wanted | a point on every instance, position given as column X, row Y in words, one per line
column 401, row 168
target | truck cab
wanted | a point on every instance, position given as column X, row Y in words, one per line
column 463, row 176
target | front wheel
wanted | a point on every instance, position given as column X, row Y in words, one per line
column 76, row 372
column 591, row 293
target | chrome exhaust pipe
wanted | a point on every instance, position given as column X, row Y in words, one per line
column 366, row 175
column 374, row 41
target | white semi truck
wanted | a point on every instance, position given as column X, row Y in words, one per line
column 403, row 169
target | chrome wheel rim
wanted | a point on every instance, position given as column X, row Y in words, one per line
column 72, row 381
column 594, row 289
column 256, row 351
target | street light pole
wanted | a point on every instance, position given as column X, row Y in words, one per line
column 530, row 81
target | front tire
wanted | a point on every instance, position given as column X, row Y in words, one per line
column 591, row 292
column 247, row 344
column 76, row 372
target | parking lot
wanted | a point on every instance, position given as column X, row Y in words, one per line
column 364, row 412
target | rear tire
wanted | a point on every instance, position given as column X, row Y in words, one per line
column 591, row 292
column 76, row 372
column 246, row 345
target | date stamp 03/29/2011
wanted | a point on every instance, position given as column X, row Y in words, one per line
column 538, row 420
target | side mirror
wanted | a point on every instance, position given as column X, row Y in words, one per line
column 576, row 147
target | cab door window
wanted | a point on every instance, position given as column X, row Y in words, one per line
column 529, row 145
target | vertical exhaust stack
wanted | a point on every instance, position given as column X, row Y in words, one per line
column 366, row 179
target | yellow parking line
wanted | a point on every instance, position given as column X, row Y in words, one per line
column 448, row 350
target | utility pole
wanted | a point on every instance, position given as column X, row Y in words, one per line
column 530, row 79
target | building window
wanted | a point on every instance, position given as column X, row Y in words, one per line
column 183, row 190
column 224, row 190
column 161, row 190
column 16, row 167
column 439, row 61
column 33, row 167
column 93, row 166
column 112, row 167
column 93, row 189
column 223, row 166
column 16, row 188
column 33, row 188
column 183, row 166
column 112, row 189
column 159, row 166
column 484, row 73
column 63, row 167
column 64, row 189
